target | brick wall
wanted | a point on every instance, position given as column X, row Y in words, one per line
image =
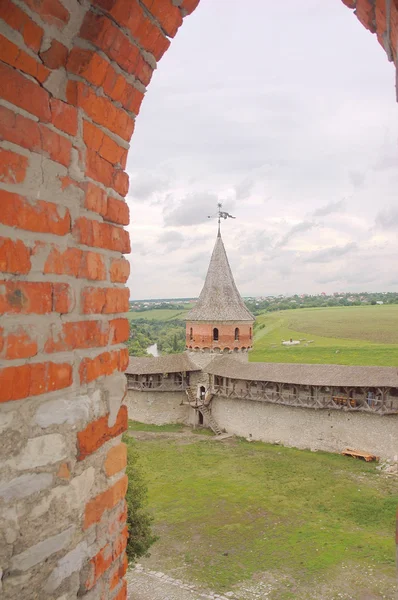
column 73, row 75
column 200, row 335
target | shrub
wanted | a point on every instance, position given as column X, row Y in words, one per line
column 139, row 521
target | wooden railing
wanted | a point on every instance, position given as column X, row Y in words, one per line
column 381, row 404
column 142, row 386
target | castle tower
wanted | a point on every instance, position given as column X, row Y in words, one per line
column 220, row 321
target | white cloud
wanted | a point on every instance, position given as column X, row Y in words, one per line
column 295, row 133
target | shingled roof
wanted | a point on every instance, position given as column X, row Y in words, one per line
column 169, row 363
column 322, row 375
column 219, row 299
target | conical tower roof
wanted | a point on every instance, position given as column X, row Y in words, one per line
column 219, row 299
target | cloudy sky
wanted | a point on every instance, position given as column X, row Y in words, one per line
column 286, row 113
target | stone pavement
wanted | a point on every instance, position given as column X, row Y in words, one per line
column 144, row 584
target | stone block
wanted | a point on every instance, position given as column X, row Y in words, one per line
column 24, row 486
column 39, row 552
column 68, row 564
column 57, row 412
column 40, row 451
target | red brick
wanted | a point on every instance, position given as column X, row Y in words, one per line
column 101, row 170
column 26, row 297
column 96, row 199
column 55, row 56
column 80, row 334
column 119, row 545
column 98, row 432
column 21, row 382
column 100, row 563
column 117, row 211
column 188, row 6
column 34, row 136
column 122, row 594
column 43, row 217
column 96, row 507
column 76, row 263
column 103, row 364
column 124, row 359
column 64, row 471
column 105, row 300
column 21, row 22
column 102, row 32
column 121, row 330
column 12, row 166
column 14, row 256
column 63, row 116
column 142, row 29
column 19, row 344
column 365, row 11
column 118, row 572
column 119, row 270
column 168, row 15
column 63, row 298
column 23, row 92
column 88, row 64
column 116, row 460
column 100, row 109
column 116, row 87
column 97, row 140
column 52, row 12
column 101, row 235
column 15, row 57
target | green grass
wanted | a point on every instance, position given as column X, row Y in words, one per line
column 357, row 335
column 162, row 314
column 169, row 427
column 293, row 513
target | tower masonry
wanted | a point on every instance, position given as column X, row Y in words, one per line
column 220, row 321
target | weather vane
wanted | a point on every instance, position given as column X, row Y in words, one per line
column 221, row 214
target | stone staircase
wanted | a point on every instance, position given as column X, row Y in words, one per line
column 198, row 405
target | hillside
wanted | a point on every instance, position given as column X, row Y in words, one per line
column 357, row 335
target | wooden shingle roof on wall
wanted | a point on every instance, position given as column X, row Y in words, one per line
column 301, row 374
column 169, row 363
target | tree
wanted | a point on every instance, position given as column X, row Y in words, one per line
column 139, row 521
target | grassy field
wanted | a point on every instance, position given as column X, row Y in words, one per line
column 233, row 511
column 357, row 335
column 161, row 314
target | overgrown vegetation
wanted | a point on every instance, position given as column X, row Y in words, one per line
column 235, row 511
column 168, row 335
column 139, row 520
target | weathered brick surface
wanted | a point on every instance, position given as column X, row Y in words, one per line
column 106, row 501
column 116, row 460
column 201, row 335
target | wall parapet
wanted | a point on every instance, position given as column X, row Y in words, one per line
column 378, row 401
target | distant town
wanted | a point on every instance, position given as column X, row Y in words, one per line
column 280, row 302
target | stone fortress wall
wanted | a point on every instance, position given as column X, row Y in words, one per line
column 305, row 428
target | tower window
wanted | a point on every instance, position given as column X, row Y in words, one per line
column 250, row 333
column 237, row 334
column 215, row 334
column 191, row 334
